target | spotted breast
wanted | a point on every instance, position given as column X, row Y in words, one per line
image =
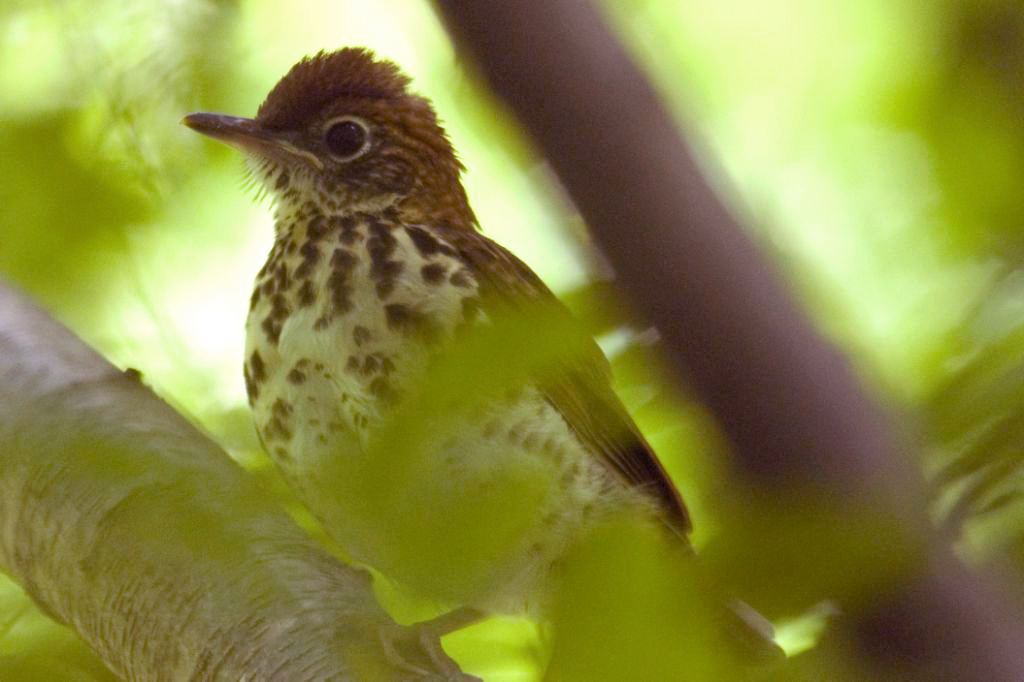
column 346, row 315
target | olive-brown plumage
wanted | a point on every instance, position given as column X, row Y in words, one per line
column 376, row 270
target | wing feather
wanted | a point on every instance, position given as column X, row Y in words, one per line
column 581, row 389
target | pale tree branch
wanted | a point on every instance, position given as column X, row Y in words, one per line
column 124, row 522
column 797, row 418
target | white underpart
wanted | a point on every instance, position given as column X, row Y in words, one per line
column 513, row 459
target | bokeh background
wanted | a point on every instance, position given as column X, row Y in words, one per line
column 875, row 149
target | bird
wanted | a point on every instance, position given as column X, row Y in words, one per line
column 379, row 271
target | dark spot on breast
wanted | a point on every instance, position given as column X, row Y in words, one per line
column 281, row 408
column 340, row 293
column 380, row 246
column 360, row 335
column 426, row 243
column 310, row 257
column 461, row 278
column 433, row 273
column 256, row 366
column 252, row 389
column 296, row 376
column 306, row 296
column 387, row 366
column 342, row 222
column 315, row 228
column 276, row 429
column 346, row 227
column 321, row 323
column 399, row 315
column 404, row 319
column 386, row 274
column 370, row 365
column 352, row 364
column 279, row 307
column 255, row 298
column 343, row 260
column 381, row 388
column 272, row 329
column 282, row 180
column 281, row 278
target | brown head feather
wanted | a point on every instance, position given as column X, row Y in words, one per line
column 407, row 160
column 316, row 81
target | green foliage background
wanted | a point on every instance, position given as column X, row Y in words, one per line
column 876, row 148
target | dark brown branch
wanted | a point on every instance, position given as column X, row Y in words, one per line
column 786, row 399
column 796, row 416
column 121, row 520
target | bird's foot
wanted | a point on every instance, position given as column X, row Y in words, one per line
column 418, row 650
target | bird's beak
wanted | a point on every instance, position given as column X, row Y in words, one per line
column 248, row 135
column 239, row 132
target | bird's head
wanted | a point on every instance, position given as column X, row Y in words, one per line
column 342, row 130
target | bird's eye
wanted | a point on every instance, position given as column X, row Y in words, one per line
column 346, row 138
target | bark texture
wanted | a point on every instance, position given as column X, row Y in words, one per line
column 124, row 522
column 800, row 424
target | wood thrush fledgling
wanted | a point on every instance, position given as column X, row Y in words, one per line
column 376, row 270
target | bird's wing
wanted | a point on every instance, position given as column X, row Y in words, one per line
column 580, row 389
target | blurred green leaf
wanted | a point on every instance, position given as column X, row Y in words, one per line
column 875, row 148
